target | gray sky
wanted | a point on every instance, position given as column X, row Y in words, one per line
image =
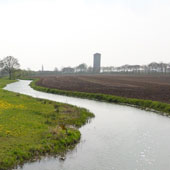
column 59, row 33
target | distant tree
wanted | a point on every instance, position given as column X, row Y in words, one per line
column 90, row 69
column 168, row 68
column 163, row 67
column 9, row 64
column 136, row 68
column 154, row 67
column 56, row 69
column 125, row 68
column 144, row 69
column 81, row 68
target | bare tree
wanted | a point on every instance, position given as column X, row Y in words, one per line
column 9, row 64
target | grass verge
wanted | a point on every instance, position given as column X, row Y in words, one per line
column 31, row 128
column 159, row 107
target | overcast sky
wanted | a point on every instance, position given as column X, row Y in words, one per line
column 59, row 33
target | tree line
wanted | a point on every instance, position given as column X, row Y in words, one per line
column 153, row 67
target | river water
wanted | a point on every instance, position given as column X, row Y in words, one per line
column 118, row 138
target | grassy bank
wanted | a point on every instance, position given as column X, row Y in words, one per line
column 30, row 127
column 160, row 107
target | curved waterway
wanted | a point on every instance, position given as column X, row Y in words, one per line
column 118, row 138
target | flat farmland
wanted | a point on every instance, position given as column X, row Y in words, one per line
column 156, row 88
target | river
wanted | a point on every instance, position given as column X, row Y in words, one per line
column 118, row 138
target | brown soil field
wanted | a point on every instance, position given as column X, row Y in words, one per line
column 155, row 88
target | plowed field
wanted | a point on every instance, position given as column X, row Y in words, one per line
column 142, row 87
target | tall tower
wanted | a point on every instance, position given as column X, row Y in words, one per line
column 96, row 63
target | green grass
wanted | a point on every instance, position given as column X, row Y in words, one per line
column 159, row 107
column 30, row 127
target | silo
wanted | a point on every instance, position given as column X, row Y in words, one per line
column 96, row 63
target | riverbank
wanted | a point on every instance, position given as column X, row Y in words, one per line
column 31, row 128
column 159, row 107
